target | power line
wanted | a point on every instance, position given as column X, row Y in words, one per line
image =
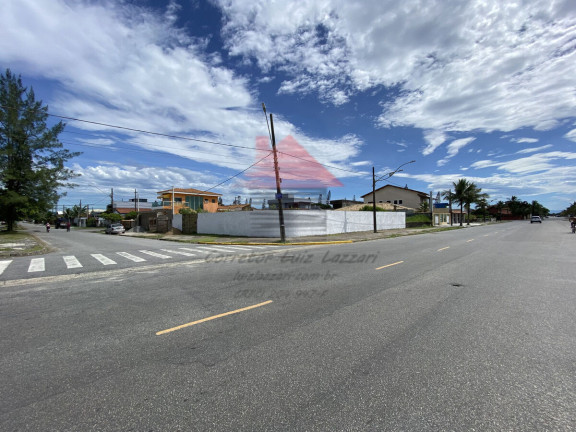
column 191, row 139
column 237, row 174
column 196, row 139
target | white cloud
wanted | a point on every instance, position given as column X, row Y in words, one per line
column 524, row 140
column 571, row 135
column 534, row 149
column 435, row 139
column 432, row 51
column 144, row 73
column 453, row 149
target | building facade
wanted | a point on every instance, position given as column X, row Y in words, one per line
column 177, row 198
column 397, row 195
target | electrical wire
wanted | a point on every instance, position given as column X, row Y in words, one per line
column 237, row 174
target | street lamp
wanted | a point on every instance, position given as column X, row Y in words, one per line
column 376, row 180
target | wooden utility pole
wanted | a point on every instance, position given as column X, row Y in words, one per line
column 278, row 181
column 374, row 199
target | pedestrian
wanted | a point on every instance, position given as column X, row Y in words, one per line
column 68, row 226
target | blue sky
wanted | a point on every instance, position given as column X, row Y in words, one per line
column 481, row 90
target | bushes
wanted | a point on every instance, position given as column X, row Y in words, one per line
column 186, row 210
column 371, row 208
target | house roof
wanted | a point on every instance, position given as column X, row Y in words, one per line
column 421, row 194
column 189, row 191
column 125, row 210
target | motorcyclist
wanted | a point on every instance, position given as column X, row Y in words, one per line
column 47, row 226
column 573, row 224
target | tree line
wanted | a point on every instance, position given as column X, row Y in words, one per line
column 465, row 193
column 31, row 156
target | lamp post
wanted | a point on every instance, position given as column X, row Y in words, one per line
column 376, row 180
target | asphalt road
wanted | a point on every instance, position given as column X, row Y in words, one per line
column 463, row 330
column 79, row 252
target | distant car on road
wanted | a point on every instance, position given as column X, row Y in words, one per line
column 535, row 219
column 115, row 228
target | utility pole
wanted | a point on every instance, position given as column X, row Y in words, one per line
column 374, row 200
column 376, row 180
column 111, row 200
column 278, row 180
column 278, row 188
column 136, row 207
column 450, row 206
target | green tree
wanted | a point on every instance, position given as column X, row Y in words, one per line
column 112, row 217
column 31, row 157
column 460, row 194
column 474, row 195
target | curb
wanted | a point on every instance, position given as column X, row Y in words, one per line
column 277, row 244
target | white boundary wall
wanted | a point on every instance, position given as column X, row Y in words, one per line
column 298, row 223
column 177, row 221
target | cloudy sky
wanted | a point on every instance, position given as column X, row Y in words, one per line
column 481, row 90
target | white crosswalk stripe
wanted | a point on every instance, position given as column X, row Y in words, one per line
column 155, row 254
column 178, row 252
column 104, row 260
column 37, row 265
column 191, row 250
column 4, row 265
column 131, row 257
column 215, row 249
column 71, row 261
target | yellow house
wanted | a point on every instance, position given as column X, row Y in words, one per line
column 176, row 198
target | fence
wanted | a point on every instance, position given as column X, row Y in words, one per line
column 298, row 223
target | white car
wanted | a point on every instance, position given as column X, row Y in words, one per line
column 115, row 228
column 535, row 219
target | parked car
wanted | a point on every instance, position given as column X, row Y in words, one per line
column 535, row 219
column 115, row 228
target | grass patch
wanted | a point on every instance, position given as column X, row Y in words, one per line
column 418, row 218
column 18, row 243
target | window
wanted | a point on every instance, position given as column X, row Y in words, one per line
column 178, row 200
column 213, row 200
column 395, row 201
column 399, row 201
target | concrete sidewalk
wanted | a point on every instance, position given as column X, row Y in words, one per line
column 330, row 239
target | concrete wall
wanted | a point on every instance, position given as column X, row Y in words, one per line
column 177, row 221
column 298, row 223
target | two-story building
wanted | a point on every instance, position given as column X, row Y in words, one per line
column 397, row 195
column 177, row 198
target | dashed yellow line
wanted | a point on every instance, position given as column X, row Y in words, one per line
column 212, row 318
column 444, row 248
column 389, row 265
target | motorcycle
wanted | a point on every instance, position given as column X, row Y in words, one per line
column 47, row 228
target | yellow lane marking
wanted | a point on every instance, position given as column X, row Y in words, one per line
column 444, row 248
column 212, row 318
column 389, row 265
column 468, row 241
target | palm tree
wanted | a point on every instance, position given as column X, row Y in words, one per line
column 500, row 205
column 465, row 194
column 474, row 194
column 460, row 194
